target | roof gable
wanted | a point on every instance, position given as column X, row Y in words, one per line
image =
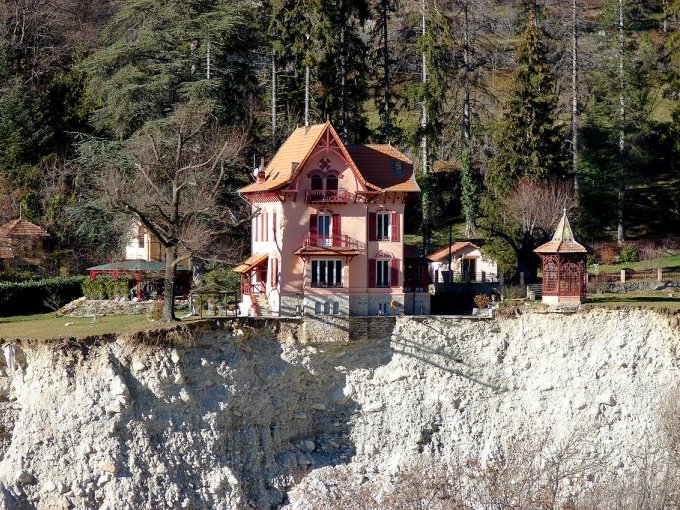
column 456, row 247
column 22, row 228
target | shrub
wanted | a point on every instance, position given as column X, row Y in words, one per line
column 649, row 251
column 629, row 253
column 17, row 275
column 156, row 311
column 37, row 296
column 514, row 292
column 104, row 287
column 606, row 254
column 481, row 301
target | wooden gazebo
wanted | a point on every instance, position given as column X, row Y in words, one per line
column 565, row 271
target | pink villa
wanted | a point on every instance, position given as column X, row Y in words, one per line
column 327, row 230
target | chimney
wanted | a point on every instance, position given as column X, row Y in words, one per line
column 260, row 173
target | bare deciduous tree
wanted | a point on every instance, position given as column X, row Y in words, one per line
column 171, row 176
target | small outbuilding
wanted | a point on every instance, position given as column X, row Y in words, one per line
column 565, row 270
column 462, row 262
column 21, row 244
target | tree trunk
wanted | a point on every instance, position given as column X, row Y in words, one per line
column 386, row 72
column 468, row 178
column 343, row 72
column 169, row 284
column 425, row 198
column 307, row 96
column 273, row 98
column 574, row 96
column 467, row 123
column 621, row 235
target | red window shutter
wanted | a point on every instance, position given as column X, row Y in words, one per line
column 372, row 275
column 336, row 229
column 372, row 226
column 394, row 273
column 395, row 226
column 313, row 227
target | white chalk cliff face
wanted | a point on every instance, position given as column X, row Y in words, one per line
column 234, row 416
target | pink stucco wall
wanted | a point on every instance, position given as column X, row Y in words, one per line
column 293, row 224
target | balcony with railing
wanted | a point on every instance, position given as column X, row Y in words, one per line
column 329, row 196
column 337, row 243
column 249, row 288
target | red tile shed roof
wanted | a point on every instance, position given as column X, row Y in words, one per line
column 455, row 247
column 23, row 228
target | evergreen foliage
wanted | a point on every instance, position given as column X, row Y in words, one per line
column 528, row 137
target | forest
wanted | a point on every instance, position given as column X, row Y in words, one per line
column 506, row 108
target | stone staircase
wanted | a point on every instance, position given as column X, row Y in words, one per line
column 261, row 305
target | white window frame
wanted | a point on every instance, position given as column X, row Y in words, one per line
column 383, row 221
column 330, row 263
column 327, row 238
column 385, row 273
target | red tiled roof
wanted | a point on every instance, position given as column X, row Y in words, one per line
column 385, row 167
column 455, row 247
column 379, row 167
column 21, row 227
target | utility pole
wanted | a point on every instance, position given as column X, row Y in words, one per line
column 574, row 95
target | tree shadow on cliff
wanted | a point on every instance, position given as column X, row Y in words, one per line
column 439, row 358
column 239, row 416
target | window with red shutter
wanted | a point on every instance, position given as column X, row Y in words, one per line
column 394, row 273
column 372, row 264
column 313, row 227
column 372, row 226
column 395, row 227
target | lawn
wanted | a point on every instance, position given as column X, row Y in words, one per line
column 656, row 299
column 670, row 262
column 49, row 326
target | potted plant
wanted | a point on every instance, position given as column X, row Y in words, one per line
column 481, row 303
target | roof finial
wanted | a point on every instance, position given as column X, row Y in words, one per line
column 564, row 210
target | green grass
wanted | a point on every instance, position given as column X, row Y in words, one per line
column 672, row 261
column 46, row 326
column 654, row 299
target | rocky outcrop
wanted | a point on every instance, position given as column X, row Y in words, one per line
column 232, row 415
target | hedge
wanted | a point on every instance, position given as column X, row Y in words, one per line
column 38, row 296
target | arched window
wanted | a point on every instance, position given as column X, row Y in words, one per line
column 332, row 183
column 317, row 182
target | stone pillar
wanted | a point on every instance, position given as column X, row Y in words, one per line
column 659, row 275
column 623, row 276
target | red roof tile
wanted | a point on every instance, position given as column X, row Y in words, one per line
column 20, row 227
column 442, row 254
column 385, row 167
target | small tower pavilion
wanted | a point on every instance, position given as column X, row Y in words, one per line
column 564, row 266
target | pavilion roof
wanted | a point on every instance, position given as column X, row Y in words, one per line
column 22, row 228
column 563, row 240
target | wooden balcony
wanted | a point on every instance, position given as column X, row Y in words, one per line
column 329, row 196
column 316, row 244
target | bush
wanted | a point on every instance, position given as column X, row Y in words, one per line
column 514, row 292
column 481, row 301
column 38, row 296
column 17, row 275
column 156, row 311
column 606, row 254
column 105, row 288
column 629, row 253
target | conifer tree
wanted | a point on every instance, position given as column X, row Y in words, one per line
column 528, row 138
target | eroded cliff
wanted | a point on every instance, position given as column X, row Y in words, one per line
column 234, row 415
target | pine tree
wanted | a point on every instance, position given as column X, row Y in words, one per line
column 529, row 140
column 154, row 56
